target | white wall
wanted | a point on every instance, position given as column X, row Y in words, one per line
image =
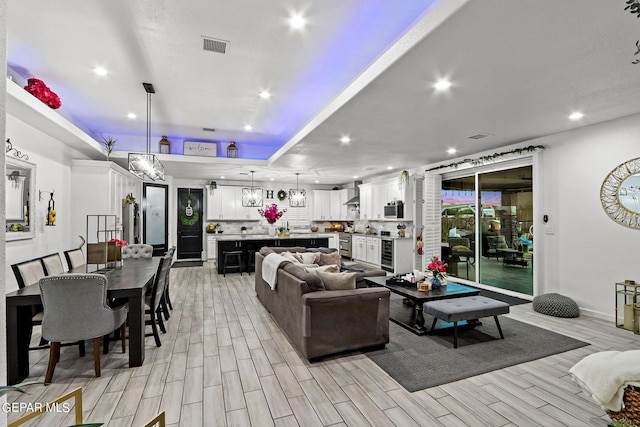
column 3, row 115
column 52, row 160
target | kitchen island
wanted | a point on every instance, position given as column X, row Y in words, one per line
column 248, row 244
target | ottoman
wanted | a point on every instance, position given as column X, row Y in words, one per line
column 555, row 305
column 465, row 308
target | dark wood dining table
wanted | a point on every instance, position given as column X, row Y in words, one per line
column 129, row 282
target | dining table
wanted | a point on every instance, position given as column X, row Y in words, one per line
column 128, row 282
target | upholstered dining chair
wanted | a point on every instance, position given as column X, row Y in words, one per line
column 154, row 299
column 29, row 273
column 75, row 258
column 52, row 264
column 137, row 250
column 85, row 316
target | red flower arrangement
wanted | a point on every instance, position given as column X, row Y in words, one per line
column 41, row 91
column 119, row 242
column 437, row 268
column 271, row 213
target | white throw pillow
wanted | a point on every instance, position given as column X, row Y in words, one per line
column 330, row 268
column 291, row 257
column 338, row 281
column 306, row 257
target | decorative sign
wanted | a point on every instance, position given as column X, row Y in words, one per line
column 196, row 148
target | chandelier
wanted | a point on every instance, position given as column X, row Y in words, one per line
column 252, row 197
column 297, row 197
column 141, row 164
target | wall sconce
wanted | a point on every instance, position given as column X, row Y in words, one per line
column 297, row 197
column 232, row 150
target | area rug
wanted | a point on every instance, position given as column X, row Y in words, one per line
column 503, row 297
column 419, row 362
column 180, row 264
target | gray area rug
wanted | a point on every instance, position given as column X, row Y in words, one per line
column 419, row 362
column 185, row 264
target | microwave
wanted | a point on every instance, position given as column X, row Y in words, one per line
column 394, row 211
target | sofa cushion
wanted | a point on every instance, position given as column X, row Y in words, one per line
column 314, row 283
column 328, row 259
column 291, row 257
column 330, row 268
column 337, row 281
column 306, row 257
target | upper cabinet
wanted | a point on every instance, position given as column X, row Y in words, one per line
column 225, row 203
column 329, row 205
column 375, row 196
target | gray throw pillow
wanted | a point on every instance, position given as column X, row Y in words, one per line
column 338, row 281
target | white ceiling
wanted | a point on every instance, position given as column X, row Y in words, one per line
column 361, row 68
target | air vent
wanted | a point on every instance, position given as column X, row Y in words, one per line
column 479, row 136
column 208, row 129
column 214, row 45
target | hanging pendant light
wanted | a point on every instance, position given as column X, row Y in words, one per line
column 141, row 164
column 297, row 197
column 252, row 197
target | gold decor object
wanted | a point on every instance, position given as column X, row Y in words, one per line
column 232, row 150
column 619, row 194
column 164, row 146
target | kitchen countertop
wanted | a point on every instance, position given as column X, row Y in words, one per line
column 225, row 236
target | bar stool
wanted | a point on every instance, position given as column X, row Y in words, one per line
column 231, row 260
column 251, row 261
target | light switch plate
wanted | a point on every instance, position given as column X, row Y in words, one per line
column 549, row 230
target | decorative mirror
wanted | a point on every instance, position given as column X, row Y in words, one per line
column 620, row 194
column 20, row 199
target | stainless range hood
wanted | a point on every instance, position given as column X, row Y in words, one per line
column 355, row 200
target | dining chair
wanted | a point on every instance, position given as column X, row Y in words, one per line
column 75, row 258
column 137, row 250
column 166, row 299
column 153, row 300
column 52, row 264
column 85, row 316
column 29, row 273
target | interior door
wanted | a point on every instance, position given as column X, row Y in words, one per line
column 155, row 214
column 189, row 245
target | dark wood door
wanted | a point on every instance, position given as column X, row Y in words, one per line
column 189, row 244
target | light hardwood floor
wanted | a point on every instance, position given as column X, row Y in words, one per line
column 223, row 361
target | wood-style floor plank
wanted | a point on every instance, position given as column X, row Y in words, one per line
column 225, row 362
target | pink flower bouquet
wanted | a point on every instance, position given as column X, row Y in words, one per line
column 271, row 213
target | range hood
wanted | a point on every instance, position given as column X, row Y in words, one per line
column 355, row 200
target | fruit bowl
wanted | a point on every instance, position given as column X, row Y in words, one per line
column 314, row 229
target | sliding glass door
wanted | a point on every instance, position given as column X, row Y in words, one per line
column 487, row 228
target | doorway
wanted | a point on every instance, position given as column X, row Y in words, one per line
column 155, row 217
column 189, row 244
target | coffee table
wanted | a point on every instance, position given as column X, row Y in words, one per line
column 412, row 318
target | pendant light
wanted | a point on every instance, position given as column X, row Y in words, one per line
column 297, row 197
column 252, row 197
column 141, row 164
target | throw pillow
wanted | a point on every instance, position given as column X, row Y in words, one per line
column 327, row 259
column 324, row 268
column 338, row 281
column 306, row 257
column 291, row 257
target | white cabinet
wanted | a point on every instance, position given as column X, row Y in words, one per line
column 375, row 196
column 365, row 201
column 97, row 188
column 329, row 205
column 359, row 248
column 212, row 247
column 225, row 202
column 373, row 250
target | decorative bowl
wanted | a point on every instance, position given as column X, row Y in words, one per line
column 314, row 229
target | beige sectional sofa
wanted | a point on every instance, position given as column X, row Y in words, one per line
column 321, row 322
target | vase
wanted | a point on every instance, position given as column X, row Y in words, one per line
column 272, row 230
column 435, row 283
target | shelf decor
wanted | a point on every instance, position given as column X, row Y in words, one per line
column 488, row 158
column 232, row 150
column 40, row 90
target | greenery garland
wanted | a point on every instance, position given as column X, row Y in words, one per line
column 282, row 195
column 185, row 220
column 488, row 158
column 188, row 197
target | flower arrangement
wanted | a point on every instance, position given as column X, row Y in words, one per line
column 271, row 213
column 40, row 90
column 437, row 268
column 119, row 242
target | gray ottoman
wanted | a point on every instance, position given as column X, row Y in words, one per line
column 556, row 305
column 465, row 308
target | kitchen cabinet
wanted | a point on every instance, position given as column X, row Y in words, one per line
column 329, row 205
column 359, row 248
column 225, row 203
column 375, row 196
column 212, row 247
column 373, row 250
column 366, row 202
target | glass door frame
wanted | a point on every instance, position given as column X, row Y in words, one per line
column 476, row 171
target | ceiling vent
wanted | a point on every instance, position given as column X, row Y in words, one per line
column 479, row 136
column 214, row 45
column 208, row 129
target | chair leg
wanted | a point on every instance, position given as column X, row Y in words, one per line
column 160, row 321
column 54, row 356
column 123, row 336
column 154, row 327
column 455, row 334
column 96, row 355
column 105, row 344
column 165, row 307
column 168, row 298
column 81, row 349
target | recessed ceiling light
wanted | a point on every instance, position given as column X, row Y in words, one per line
column 442, row 84
column 389, row 168
column 317, row 181
column 100, row 71
column 270, row 179
column 132, row 116
column 265, row 94
column 355, row 176
column 345, row 139
column 452, row 151
column 297, row 21
column 576, row 115
column 221, row 176
column 248, row 128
